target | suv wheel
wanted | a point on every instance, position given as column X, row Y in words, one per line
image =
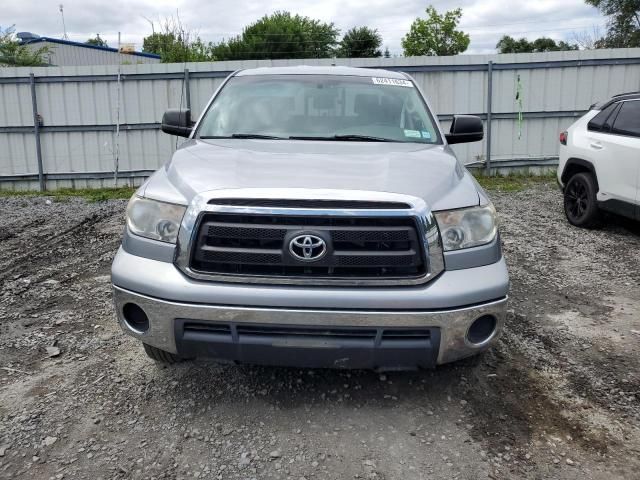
column 580, row 204
column 160, row 355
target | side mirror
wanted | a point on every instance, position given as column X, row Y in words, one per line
column 464, row 129
column 177, row 122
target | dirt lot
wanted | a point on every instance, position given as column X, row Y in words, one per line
column 559, row 397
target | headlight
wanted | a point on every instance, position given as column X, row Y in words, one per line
column 467, row 227
column 153, row 219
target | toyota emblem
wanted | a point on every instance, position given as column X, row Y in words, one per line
column 307, row 248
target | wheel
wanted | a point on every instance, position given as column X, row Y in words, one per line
column 580, row 204
column 160, row 355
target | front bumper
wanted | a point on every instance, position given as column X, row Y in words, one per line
column 447, row 340
column 428, row 324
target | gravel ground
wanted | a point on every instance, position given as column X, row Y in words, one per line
column 559, row 397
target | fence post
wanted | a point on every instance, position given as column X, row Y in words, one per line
column 187, row 88
column 36, row 131
column 489, row 104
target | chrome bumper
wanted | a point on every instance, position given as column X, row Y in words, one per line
column 453, row 324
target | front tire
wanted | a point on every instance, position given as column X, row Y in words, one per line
column 160, row 356
column 580, row 202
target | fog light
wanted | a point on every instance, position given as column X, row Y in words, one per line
column 481, row 329
column 135, row 317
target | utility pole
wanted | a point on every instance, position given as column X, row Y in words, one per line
column 117, row 149
column 64, row 27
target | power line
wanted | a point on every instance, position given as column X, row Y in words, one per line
column 230, row 35
column 325, row 40
column 517, row 23
column 311, row 37
column 320, row 38
column 576, row 27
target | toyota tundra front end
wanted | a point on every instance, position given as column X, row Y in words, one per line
column 316, row 217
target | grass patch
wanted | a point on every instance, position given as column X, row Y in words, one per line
column 514, row 183
column 510, row 183
column 89, row 194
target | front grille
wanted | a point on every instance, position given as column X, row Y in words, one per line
column 371, row 334
column 306, row 332
column 357, row 247
column 309, row 346
column 208, row 328
column 376, row 335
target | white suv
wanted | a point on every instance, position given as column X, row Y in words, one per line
column 599, row 166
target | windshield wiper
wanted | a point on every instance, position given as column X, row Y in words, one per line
column 347, row 138
column 257, row 135
column 245, row 135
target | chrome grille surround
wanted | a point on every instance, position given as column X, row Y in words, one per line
column 203, row 203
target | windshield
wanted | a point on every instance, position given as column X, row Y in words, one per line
column 323, row 107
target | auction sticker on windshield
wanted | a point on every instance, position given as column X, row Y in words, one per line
column 412, row 134
column 396, row 82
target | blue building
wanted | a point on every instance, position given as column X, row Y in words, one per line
column 65, row 52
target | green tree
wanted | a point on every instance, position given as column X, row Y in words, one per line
column 509, row 44
column 280, row 35
column 544, row 44
column 14, row 54
column 623, row 27
column 97, row 41
column 175, row 43
column 361, row 42
column 436, row 35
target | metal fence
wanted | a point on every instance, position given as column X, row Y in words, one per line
column 58, row 124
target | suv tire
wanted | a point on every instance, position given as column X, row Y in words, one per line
column 580, row 202
column 160, row 355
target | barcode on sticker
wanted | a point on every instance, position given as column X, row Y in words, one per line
column 396, row 82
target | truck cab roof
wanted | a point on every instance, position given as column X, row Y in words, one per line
column 322, row 70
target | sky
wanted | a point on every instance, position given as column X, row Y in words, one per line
column 484, row 20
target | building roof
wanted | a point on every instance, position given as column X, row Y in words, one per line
column 322, row 70
column 85, row 45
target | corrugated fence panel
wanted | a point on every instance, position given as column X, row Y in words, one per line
column 15, row 104
column 17, row 154
column 78, row 107
column 201, row 91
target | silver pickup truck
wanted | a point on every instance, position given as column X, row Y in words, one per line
column 315, row 217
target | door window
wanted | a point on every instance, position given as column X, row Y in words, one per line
column 628, row 120
column 599, row 120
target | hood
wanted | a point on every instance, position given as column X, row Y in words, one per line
column 430, row 172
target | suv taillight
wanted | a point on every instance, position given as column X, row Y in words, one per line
column 563, row 138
